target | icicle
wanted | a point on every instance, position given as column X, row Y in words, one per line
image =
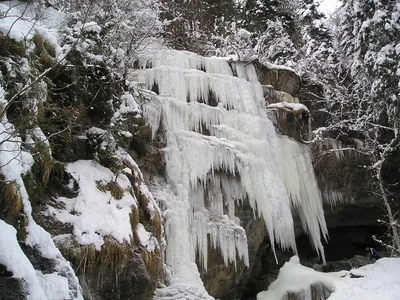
column 333, row 198
column 228, row 237
column 153, row 114
column 336, row 146
column 246, row 71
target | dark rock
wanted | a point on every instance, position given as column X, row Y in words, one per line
column 293, row 123
column 4, row 272
column 318, row 291
column 345, row 185
column 355, row 276
column 45, row 265
column 12, row 289
column 280, row 78
column 219, row 280
column 312, row 96
column 345, row 264
column 82, row 148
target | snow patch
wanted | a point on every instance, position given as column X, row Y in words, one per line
column 95, row 213
column 375, row 281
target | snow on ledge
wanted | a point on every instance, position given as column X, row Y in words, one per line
column 297, row 107
column 278, row 67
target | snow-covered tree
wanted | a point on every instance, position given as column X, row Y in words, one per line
column 189, row 25
column 363, row 94
column 257, row 13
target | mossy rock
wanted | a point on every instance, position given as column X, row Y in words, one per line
column 117, row 271
column 113, row 187
column 11, row 207
column 44, row 52
column 10, row 47
column 108, row 159
column 47, row 178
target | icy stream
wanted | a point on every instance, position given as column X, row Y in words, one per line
column 222, row 149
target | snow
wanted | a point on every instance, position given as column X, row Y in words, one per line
column 295, row 278
column 54, row 286
column 128, row 105
column 133, row 167
column 126, row 134
column 16, row 262
column 328, row 7
column 297, row 107
column 380, row 280
column 276, row 174
column 88, row 27
column 278, row 67
column 36, row 135
column 95, row 214
column 146, row 239
column 22, row 21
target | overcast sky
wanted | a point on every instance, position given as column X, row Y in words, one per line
column 329, row 6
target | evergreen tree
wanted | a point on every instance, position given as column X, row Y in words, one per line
column 257, row 13
column 189, row 25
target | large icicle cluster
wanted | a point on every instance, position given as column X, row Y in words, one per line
column 222, row 149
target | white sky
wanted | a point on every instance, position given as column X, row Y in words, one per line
column 329, row 6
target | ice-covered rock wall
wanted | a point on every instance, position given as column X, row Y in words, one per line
column 222, row 149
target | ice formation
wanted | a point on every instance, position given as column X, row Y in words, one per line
column 221, row 150
column 333, row 198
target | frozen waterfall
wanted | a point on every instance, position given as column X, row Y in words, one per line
column 222, row 149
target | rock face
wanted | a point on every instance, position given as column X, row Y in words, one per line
column 291, row 122
column 343, row 181
column 130, row 280
column 226, row 283
column 282, row 79
column 345, row 185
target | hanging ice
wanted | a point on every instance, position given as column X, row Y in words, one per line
column 223, row 149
